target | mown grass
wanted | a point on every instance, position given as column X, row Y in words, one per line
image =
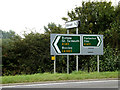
column 58, row 76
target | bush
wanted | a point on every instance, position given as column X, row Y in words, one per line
column 108, row 61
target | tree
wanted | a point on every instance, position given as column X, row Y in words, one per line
column 8, row 34
column 53, row 28
column 95, row 17
column 9, row 62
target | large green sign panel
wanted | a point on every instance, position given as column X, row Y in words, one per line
column 76, row 44
column 91, row 41
column 66, row 44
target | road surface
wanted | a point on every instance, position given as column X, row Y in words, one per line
column 75, row 84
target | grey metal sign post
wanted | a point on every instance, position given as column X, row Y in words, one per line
column 77, row 55
column 98, row 63
column 55, row 65
column 67, row 58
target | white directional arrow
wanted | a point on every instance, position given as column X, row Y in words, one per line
column 99, row 41
column 55, row 44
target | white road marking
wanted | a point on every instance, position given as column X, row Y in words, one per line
column 58, row 83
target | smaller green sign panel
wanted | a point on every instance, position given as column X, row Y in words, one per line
column 91, row 41
column 67, row 44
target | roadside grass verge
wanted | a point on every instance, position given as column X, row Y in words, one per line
column 58, row 76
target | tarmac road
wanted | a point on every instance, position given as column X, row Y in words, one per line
column 70, row 84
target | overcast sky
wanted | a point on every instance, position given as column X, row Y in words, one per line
column 26, row 15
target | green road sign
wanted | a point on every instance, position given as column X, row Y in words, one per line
column 66, row 44
column 94, row 41
column 72, row 44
